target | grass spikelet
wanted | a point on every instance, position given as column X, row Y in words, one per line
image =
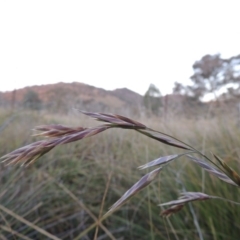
column 212, row 170
column 56, row 130
column 28, row 154
column 232, row 173
column 115, row 120
column 172, row 210
column 186, row 197
column 138, row 186
column 161, row 161
column 32, row 152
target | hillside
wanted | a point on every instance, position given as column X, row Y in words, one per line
column 65, row 95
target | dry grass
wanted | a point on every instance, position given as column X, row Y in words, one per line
column 56, row 134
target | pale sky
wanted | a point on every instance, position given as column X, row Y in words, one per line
column 112, row 44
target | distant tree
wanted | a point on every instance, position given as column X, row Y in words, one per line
column 212, row 73
column 179, row 88
column 152, row 99
column 31, row 100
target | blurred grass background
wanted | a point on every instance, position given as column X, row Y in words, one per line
column 63, row 194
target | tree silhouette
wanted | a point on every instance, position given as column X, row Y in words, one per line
column 212, row 73
column 152, row 99
column 32, row 100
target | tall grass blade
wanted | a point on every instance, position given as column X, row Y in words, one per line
column 31, row 225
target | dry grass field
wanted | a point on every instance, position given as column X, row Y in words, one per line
column 65, row 192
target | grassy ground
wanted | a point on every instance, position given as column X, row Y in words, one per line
column 63, row 194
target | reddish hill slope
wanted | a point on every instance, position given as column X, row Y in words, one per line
column 76, row 94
